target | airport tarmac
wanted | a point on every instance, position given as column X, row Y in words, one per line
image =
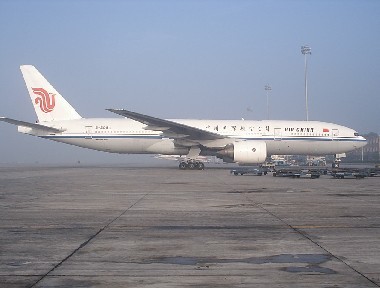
column 163, row 227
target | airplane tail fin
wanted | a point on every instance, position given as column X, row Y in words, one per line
column 48, row 103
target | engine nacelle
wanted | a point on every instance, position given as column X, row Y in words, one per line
column 245, row 152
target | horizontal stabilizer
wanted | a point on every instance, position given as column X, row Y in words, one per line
column 30, row 125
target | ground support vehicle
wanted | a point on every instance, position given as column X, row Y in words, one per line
column 287, row 173
column 349, row 174
column 312, row 174
column 247, row 171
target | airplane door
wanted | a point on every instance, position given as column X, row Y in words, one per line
column 335, row 133
column 88, row 132
column 277, row 134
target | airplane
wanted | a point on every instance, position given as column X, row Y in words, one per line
column 241, row 141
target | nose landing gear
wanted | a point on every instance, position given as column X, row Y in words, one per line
column 191, row 165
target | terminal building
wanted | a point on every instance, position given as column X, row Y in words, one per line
column 368, row 153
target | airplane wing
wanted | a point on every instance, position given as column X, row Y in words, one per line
column 30, row 125
column 169, row 128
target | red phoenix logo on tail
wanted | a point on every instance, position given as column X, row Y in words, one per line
column 44, row 99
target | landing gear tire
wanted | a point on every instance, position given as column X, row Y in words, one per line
column 200, row 166
column 183, row 166
column 191, row 165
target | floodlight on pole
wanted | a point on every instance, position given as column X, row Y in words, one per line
column 306, row 50
column 268, row 89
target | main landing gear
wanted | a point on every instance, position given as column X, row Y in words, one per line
column 191, row 165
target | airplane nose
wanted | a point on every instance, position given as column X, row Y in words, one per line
column 362, row 142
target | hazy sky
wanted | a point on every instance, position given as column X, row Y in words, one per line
column 188, row 59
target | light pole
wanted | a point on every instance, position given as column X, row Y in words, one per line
column 305, row 50
column 267, row 89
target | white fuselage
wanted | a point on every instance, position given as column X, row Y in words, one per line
column 129, row 136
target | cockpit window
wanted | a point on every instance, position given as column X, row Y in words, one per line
column 356, row 134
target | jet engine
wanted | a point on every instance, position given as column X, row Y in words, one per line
column 245, row 152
